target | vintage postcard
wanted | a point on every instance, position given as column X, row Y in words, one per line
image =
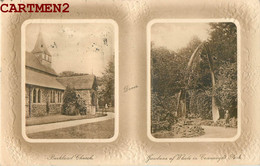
column 193, row 91
column 69, row 80
column 129, row 82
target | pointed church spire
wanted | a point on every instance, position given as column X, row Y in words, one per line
column 40, row 46
column 41, row 52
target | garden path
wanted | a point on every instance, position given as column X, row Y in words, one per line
column 218, row 132
column 59, row 125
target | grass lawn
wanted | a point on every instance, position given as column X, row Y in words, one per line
column 58, row 118
column 97, row 130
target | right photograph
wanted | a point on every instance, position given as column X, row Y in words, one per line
column 193, row 84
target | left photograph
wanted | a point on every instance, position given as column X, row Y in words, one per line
column 70, row 80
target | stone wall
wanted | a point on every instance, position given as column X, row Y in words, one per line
column 87, row 96
column 40, row 108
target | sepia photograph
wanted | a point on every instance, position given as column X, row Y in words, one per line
column 193, row 92
column 69, row 80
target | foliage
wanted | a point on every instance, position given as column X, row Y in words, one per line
column 167, row 71
column 106, row 88
column 163, row 108
column 226, row 88
column 73, row 104
column 81, row 105
column 70, row 73
column 170, row 75
column 223, row 47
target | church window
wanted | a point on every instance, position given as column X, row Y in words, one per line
column 93, row 99
column 61, row 97
column 42, row 45
column 39, row 96
column 52, row 96
column 58, row 97
column 34, row 95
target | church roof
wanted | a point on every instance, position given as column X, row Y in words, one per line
column 40, row 45
column 42, row 79
column 79, row 82
column 33, row 62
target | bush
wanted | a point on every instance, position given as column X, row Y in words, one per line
column 163, row 109
column 73, row 104
column 81, row 105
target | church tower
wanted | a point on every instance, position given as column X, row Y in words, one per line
column 41, row 51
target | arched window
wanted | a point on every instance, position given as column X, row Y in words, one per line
column 34, row 95
column 54, row 96
column 52, row 101
column 93, row 99
column 51, row 97
column 61, row 97
column 39, row 96
column 58, row 97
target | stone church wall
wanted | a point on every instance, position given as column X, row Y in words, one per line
column 86, row 95
column 40, row 109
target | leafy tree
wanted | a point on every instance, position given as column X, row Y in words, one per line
column 223, row 47
column 106, row 89
column 167, row 71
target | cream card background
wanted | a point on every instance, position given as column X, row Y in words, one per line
column 132, row 145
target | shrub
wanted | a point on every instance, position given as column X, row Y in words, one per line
column 81, row 106
column 69, row 102
column 163, row 109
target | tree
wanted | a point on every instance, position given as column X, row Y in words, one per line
column 167, row 71
column 210, row 81
column 223, row 47
column 106, row 87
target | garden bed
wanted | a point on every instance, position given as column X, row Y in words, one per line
column 182, row 129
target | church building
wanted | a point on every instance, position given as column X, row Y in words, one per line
column 44, row 88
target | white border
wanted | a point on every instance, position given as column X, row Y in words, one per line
column 148, row 28
column 68, row 21
column 1, row 91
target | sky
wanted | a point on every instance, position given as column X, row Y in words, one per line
column 78, row 47
column 177, row 35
